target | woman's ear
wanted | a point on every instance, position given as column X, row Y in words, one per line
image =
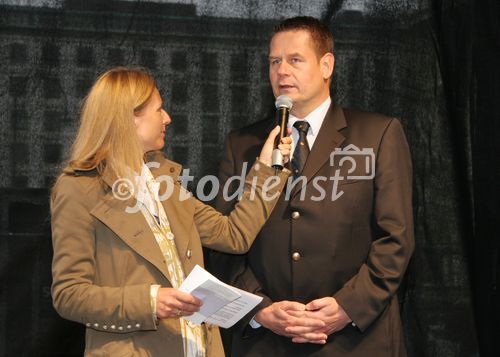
column 327, row 63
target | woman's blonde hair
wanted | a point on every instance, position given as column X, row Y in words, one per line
column 107, row 135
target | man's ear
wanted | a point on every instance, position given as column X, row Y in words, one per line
column 327, row 63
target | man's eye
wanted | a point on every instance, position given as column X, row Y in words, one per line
column 275, row 61
column 295, row 60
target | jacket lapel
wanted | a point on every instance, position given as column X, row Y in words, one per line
column 329, row 138
column 132, row 228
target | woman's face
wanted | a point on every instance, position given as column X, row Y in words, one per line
column 151, row 123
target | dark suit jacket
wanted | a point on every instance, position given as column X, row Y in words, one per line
column 355, row 248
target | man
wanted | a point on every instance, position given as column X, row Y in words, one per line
column 330, row 259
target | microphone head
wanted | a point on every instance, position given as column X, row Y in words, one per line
column 284, row 101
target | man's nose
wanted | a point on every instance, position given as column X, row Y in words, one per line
column 283, row 68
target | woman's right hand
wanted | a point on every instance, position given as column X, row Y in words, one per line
column 285, row 146
column 175, row 303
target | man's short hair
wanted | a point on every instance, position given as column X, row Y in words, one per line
column 320, row 33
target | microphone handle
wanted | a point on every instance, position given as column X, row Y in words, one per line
column 282, row 118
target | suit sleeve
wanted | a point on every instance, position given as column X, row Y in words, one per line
column 75, row 294
column 367, row 294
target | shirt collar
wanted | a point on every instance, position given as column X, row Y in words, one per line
column 314, row 118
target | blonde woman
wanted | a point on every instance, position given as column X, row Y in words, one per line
column 117, row 269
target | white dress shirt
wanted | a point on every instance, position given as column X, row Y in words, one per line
column 315, row 120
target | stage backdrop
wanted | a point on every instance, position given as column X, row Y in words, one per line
column 411, row 59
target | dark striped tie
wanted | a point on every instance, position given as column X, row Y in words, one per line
column 301, row 149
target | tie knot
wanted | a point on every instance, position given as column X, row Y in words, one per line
column 302, row 126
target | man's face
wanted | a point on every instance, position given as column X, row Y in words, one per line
column 296, row 70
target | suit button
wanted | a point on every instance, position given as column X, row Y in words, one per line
column 96, row 325
column 137, row 325
column 296, row 256
column 113, row 327
column 105, row 327
column 295, row 215
column 189, row 253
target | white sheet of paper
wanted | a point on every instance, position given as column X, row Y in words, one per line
column 223, row 305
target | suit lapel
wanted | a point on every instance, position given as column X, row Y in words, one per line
column 329, row 138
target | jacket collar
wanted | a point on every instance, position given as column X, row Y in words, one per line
column 157, row 163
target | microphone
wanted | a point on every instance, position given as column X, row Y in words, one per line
column 283, row 105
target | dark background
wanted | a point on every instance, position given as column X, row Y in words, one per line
column 434, row 64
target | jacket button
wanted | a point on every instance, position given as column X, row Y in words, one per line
column 295, row 215
column 120, row 328
column 172, row 169
column 296, row 256
column 129, row 327
column 113, row 327
column 96, row 325
column 105, row 327
column 88, row 324
column 137, row 325
column 189, row 253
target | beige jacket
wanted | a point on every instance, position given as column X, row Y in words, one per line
column 105, row 259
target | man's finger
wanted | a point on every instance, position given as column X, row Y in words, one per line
column 301, row 330
column 315, row 315
column 305, row 340
column 306, row 322
column 281, row 314
column 318, row 304
column 292, row 305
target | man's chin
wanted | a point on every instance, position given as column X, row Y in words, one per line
column 292, row 94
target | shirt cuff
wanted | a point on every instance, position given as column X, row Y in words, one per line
column 254, row 324
column 153, row 293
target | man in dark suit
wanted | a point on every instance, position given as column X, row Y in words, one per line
column 330, row 259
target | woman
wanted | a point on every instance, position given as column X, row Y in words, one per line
column 118, row 261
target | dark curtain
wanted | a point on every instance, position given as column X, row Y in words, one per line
column 433, row 64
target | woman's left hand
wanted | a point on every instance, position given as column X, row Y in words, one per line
column 285, row 146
